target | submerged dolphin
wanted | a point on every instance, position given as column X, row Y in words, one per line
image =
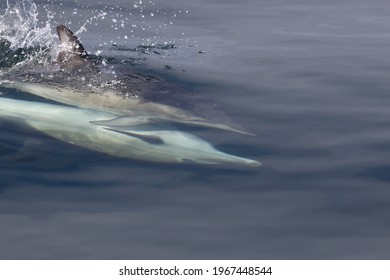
column 150, row 143
column 79, row 82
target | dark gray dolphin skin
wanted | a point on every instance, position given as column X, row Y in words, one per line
column 74, row 55
column 74, row 47
column 81, row 83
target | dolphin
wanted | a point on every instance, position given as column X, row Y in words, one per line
column 144, row 142
column 78, row 81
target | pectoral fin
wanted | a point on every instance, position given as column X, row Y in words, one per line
column 221, row 126
column 126, row 121
column 151, row 139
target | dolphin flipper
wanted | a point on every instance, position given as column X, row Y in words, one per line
column 148, row 138
column 127, row 121
column 130, row 121
column 219, row 126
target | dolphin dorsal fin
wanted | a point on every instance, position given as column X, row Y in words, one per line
column 74, row 49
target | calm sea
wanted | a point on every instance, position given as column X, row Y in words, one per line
column 309, row 78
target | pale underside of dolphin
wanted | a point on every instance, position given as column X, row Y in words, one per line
column 123, row 100
column 150, row 143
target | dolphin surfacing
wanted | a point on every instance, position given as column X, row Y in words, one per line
column 147, row 143
column 80, row 82
column 115, row 117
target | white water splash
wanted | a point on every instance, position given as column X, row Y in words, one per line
column 19, row 26
column 30, row 27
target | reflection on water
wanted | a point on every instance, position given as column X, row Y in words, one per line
column 309, row 79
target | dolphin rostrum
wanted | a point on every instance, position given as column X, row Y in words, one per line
column 150, row 143
column 79, row 82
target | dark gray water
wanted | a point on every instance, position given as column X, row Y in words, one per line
column 310, row 78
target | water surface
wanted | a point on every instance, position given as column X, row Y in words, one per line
column 309, row 78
